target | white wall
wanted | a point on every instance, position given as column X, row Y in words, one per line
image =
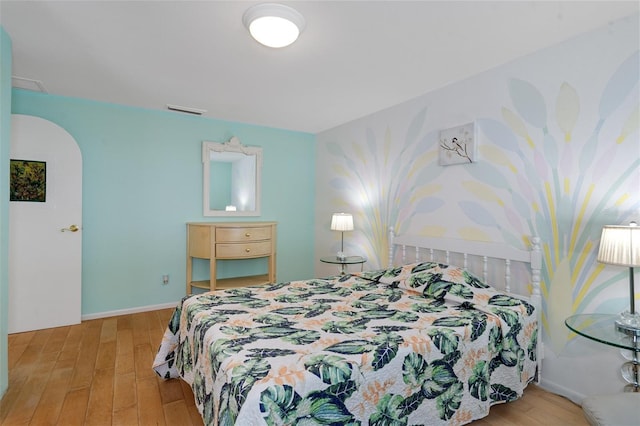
column 559, row 157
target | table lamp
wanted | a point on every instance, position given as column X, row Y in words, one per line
column 342, row 222
column 620, row 245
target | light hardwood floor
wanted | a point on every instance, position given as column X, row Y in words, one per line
column 99, row 373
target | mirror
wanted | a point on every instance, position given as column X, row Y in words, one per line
column 231, row 178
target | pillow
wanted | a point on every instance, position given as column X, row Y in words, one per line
column 437, row 281
column 401, row 273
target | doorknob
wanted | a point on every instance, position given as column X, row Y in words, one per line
column 72, row 228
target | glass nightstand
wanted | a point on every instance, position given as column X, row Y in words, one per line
column 348, row 260
column 603, row 329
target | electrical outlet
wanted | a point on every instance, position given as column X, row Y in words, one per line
column 165, row 279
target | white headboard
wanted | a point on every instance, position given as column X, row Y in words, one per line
column 412, row 248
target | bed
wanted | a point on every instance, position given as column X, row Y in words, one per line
column 424, row 341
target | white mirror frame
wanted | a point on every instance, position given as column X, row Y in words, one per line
column 234, row 145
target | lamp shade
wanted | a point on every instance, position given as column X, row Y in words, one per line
column 342, row 222
column 620, row 245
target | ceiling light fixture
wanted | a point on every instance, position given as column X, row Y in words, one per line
column 274, row 25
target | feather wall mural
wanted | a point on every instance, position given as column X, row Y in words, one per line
column 547, row 167
column 392, row 181
column 558, row 181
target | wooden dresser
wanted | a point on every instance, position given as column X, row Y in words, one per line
column 237, row 241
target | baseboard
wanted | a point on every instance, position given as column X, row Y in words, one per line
column 128, row 311
column 553, row 387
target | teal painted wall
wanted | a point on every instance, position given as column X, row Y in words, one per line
column 5, row 122
column 142, row 180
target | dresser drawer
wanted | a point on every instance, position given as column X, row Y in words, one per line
column 239, row 250
column 236, row 244
column 234, row 235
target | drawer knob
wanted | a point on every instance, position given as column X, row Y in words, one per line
column 247, row 235
column 247, row 250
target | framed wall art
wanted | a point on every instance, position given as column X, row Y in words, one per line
column 457, row 145
column 27, row 181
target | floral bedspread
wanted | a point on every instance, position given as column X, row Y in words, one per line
column 425, row 344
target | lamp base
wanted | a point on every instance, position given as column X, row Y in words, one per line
column 629, row 321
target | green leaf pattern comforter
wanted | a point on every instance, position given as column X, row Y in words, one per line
column 425, row 343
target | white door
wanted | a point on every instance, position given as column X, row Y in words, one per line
column 45, row 262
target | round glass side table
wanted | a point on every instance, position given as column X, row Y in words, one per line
column 343, row 262
column 603, row 328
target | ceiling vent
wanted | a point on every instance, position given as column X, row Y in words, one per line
column 27, row 84
column 186, row 110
